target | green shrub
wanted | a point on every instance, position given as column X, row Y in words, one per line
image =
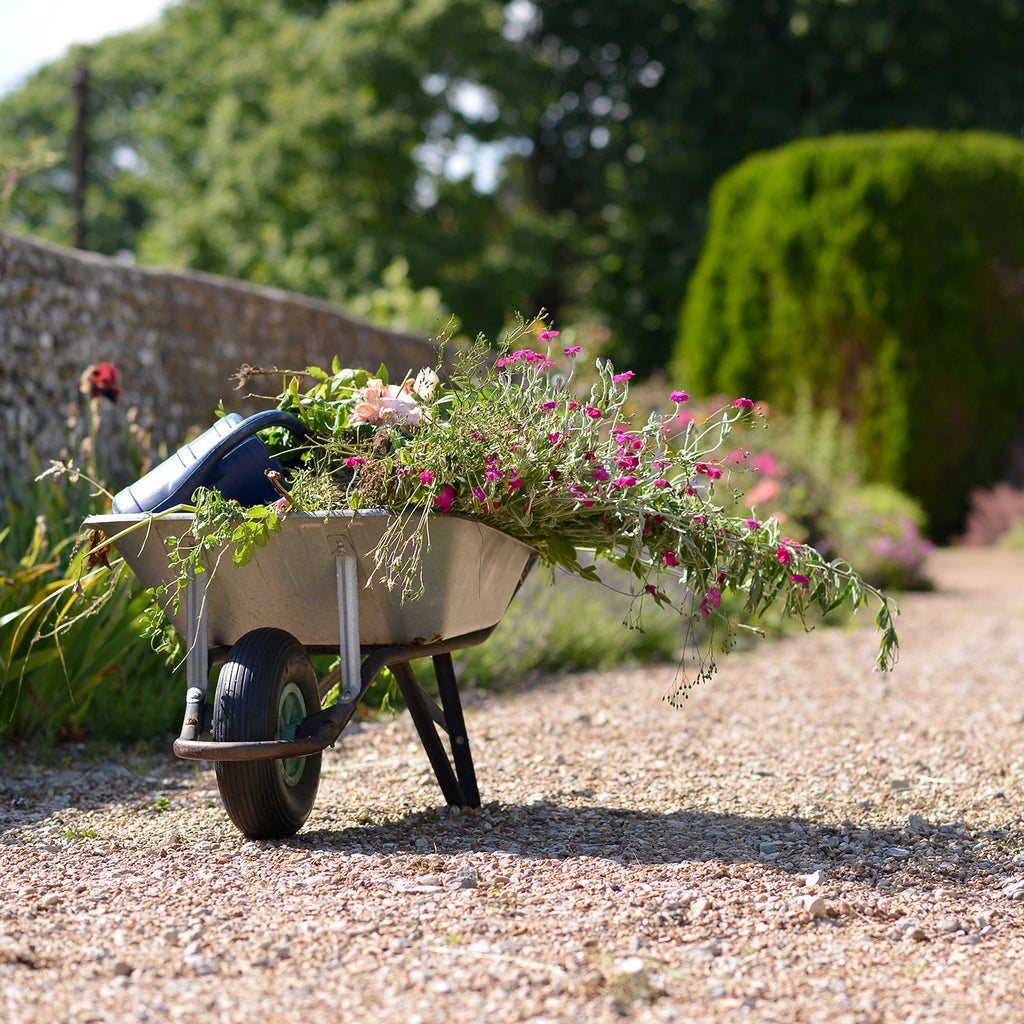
column 885, row 272
column 54, row 661
column 805, row 471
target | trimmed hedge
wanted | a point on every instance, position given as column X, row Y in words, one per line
column 887, row 270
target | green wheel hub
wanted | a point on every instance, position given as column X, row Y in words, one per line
column 291, row 710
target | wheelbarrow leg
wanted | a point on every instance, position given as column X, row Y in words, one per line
column 444, row 670
column 460, row 790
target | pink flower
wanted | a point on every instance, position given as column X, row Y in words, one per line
column 651, row 589
column 762, row 493
column 753, row 524
column 426, row 478
column 354, row 461
column 443, row 501
column 493, row 474
column 765, row 462
column 619, row 377
column 660, row 482
column 712, row 599
column 572, row 350
column 594, row 414
column 478, row 492
column 547, row 335
column 554, row 438
column 548, row 406
column 624, row 481
column 797, row 578
column 743, row 403
column 669, row 558
column 514, row 484
column 679, row 396
column 599, row 473
column 708, row 470
column 784, row 555
column 700, row 519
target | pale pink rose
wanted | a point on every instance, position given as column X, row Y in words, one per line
column 379, row 403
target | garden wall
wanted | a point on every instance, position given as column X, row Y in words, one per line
column 177, row 337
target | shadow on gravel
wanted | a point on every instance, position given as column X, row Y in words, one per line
column 921, row 854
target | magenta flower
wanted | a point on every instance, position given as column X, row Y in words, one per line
column 660, row 482
column 797, row 578
column 651, row 589
column 712, row 599
column 624, row 481
column 679, row 396
column 784, row 555
column 669, row 558
column 354, row 461
column 478, row 493
column 554, row 438
column 573, row 405
column 572, row 350
column 514, row 484
column 743, row 403
column 753, row 524
column 548, row 406
column 547, row 335
column 619, row 377
column 443, row 501
column 700, row 519
column 708, row 470
column 599, row 473
column 594, row 414
column 426, row 478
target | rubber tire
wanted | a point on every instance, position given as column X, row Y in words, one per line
column 265, row 669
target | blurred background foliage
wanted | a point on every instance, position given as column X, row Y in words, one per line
column 408, row 158
column 554, row 153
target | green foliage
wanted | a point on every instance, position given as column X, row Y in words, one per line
column 881, row 272
column 558, row 623
column 311, row 144
column 55, row 660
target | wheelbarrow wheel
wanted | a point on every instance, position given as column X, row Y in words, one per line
column 266, row 687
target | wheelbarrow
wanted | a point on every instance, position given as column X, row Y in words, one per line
column 306, row 592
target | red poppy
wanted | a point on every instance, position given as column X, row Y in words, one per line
column 102, row 381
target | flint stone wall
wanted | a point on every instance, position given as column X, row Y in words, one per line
column 178, row 337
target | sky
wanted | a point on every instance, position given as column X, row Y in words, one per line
column 35, row 32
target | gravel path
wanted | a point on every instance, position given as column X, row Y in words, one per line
column 804, row 840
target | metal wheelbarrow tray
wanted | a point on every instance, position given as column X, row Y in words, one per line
column 305, row 592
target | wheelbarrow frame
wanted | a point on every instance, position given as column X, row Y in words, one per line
column 360, row 661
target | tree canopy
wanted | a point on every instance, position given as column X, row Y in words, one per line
column 553, row 153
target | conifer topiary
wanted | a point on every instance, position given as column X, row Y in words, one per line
column 885, row 270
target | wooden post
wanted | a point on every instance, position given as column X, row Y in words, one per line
column 79, row 153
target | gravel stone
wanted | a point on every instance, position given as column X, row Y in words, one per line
column 803, row 840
